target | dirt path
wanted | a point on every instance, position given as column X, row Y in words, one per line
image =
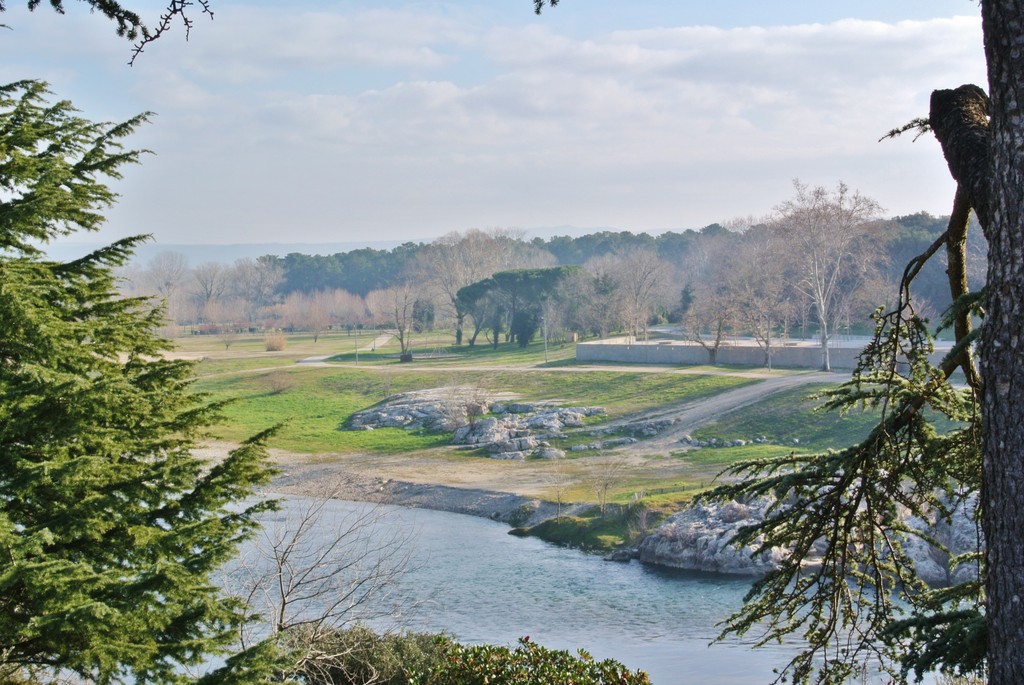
column 688, row 415
column 321, row 359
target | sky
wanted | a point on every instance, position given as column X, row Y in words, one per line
column 313, row 121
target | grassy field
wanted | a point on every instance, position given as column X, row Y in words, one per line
column 793, row 419
column 790, row 418
column 317, row 401
column 313, row 401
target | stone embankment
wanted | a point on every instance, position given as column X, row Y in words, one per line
column 696, row 538
column 505, row 430
column 322, row 480
column 699, row 538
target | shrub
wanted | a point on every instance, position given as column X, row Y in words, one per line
column 527, row 664
column 274, row 341
column 280, row 382
column 358, row 655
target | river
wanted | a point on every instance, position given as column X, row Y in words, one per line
column 466, row 576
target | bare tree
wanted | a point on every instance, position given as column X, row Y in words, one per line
column 711, row 311
column 315, row 568
column 255, row 282
column 710, row 316
column 308, row 311
column 604, row 477
column 347, row 308
column 642, row 276
column 228, row 317
column 165, row 273
column 829, row 235
column 559, row 482
column 208, row 284
column 163, row 278
column 755, row 275
column 394, row 306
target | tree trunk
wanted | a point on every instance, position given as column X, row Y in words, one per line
column 826, row 362
column 1002, row 358
column 986, row 157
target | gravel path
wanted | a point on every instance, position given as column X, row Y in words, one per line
column 689, row 415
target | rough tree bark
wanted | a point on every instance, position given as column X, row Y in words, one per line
column 986, row 157
column 1002, row 357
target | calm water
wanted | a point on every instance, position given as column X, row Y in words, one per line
column 467, row 577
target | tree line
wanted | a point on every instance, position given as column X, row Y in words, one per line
column 818, row 263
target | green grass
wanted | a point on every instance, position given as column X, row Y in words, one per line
column 590, row 531
column 213, row 367
column 297, row 344
column 440, row 352
column 788, row 416
column 314, row 410
column 619, row 393
column 315, row 402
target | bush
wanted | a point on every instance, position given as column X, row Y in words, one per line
column 358, row 655
column 527, row 664
column 280, row 382
column 275, row 341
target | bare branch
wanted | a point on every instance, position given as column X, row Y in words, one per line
column 316, row 568
column 176, row 10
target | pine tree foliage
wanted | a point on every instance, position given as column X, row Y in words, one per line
column 848, row 586
column 110, row 528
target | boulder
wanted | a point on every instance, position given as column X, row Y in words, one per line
column 617, row 442
column 515, row 428
column 510, row 456
column 699, row 538
column 621, row 555
column 958, row 534
column 526, row 444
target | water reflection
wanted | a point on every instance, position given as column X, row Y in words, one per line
column 467, row 577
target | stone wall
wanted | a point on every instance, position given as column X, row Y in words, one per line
column 801, row 355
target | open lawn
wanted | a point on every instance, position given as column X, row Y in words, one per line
column 313, row 399
column 316, row 401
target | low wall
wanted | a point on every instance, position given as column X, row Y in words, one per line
column 784, row 356
column 801, row 357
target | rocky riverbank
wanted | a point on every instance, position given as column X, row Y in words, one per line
column 696, row 538
column 313, row 480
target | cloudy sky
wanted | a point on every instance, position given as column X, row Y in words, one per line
column 328, row 121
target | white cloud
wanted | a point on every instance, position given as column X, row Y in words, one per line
column 414, row 121
column 248, row 43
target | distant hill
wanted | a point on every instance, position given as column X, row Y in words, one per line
column 225, row 254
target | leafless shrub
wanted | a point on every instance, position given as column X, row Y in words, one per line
column 280, row 382
column 317, row 567
column 274, row 341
